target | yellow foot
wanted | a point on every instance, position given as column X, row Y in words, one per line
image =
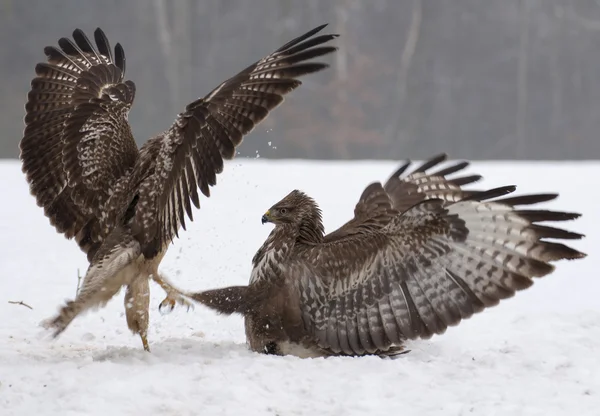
column 145, row 342
column 168, row 304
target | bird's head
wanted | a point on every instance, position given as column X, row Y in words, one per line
column 295, row 209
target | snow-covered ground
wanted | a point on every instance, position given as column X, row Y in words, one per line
column 535, row 354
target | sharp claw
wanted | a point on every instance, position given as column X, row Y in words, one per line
column 184, row 302
column 166, row 306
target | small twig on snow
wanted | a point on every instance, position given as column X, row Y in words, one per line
column 14, row 302
column 78, row 282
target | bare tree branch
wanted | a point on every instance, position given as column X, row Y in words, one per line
column 78, row 282
column 166, row 43
column 13, row 302
column 341, row 20
column 182, row 46
column 585, row 22
column 408, row 52
column 521, row 128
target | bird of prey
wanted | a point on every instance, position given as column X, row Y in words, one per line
column 125, row 205
column 421, row 254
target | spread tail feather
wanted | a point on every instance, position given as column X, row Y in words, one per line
column 229, row 300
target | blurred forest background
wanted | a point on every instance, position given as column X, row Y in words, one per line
column 509, row 79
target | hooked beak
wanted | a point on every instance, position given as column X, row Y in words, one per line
column 266, row 217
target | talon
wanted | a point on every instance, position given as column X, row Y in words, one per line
column 166, row 306
column 183, row 301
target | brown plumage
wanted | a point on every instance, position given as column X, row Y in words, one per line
column 124, row 206
column 420, row 255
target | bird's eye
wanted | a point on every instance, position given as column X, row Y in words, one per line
column 282, row 210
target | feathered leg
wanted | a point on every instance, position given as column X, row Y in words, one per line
column 114, row 267
column 91, row 295
column 137, row 303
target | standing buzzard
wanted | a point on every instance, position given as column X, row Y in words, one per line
column 122, row 204
column 420, row 254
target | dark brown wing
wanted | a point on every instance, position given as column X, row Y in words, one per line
column 420, row 185
column 378, row 204
column 191, row 153
column 372, row 212
column 429, row 268
column 77, row 142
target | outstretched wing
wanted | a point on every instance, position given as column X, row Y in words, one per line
column 371, row 213
column 77, row 142
column 379, row 203
column 191, row 153
column 419, row 185
column 428, row 269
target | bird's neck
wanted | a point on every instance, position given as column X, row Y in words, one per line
column 310, row 232
column 281, row 241
column 273, row 253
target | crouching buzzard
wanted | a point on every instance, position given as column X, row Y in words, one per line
column 420, row 254
column 122, row 204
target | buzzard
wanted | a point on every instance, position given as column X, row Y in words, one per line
column 420, row 254
column 125, row 205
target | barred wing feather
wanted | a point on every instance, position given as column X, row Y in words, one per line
column 77, row 142
column 427, row 269
column 379, row 203
column 191, row 153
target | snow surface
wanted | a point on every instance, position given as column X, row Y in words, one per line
column 534, row 354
